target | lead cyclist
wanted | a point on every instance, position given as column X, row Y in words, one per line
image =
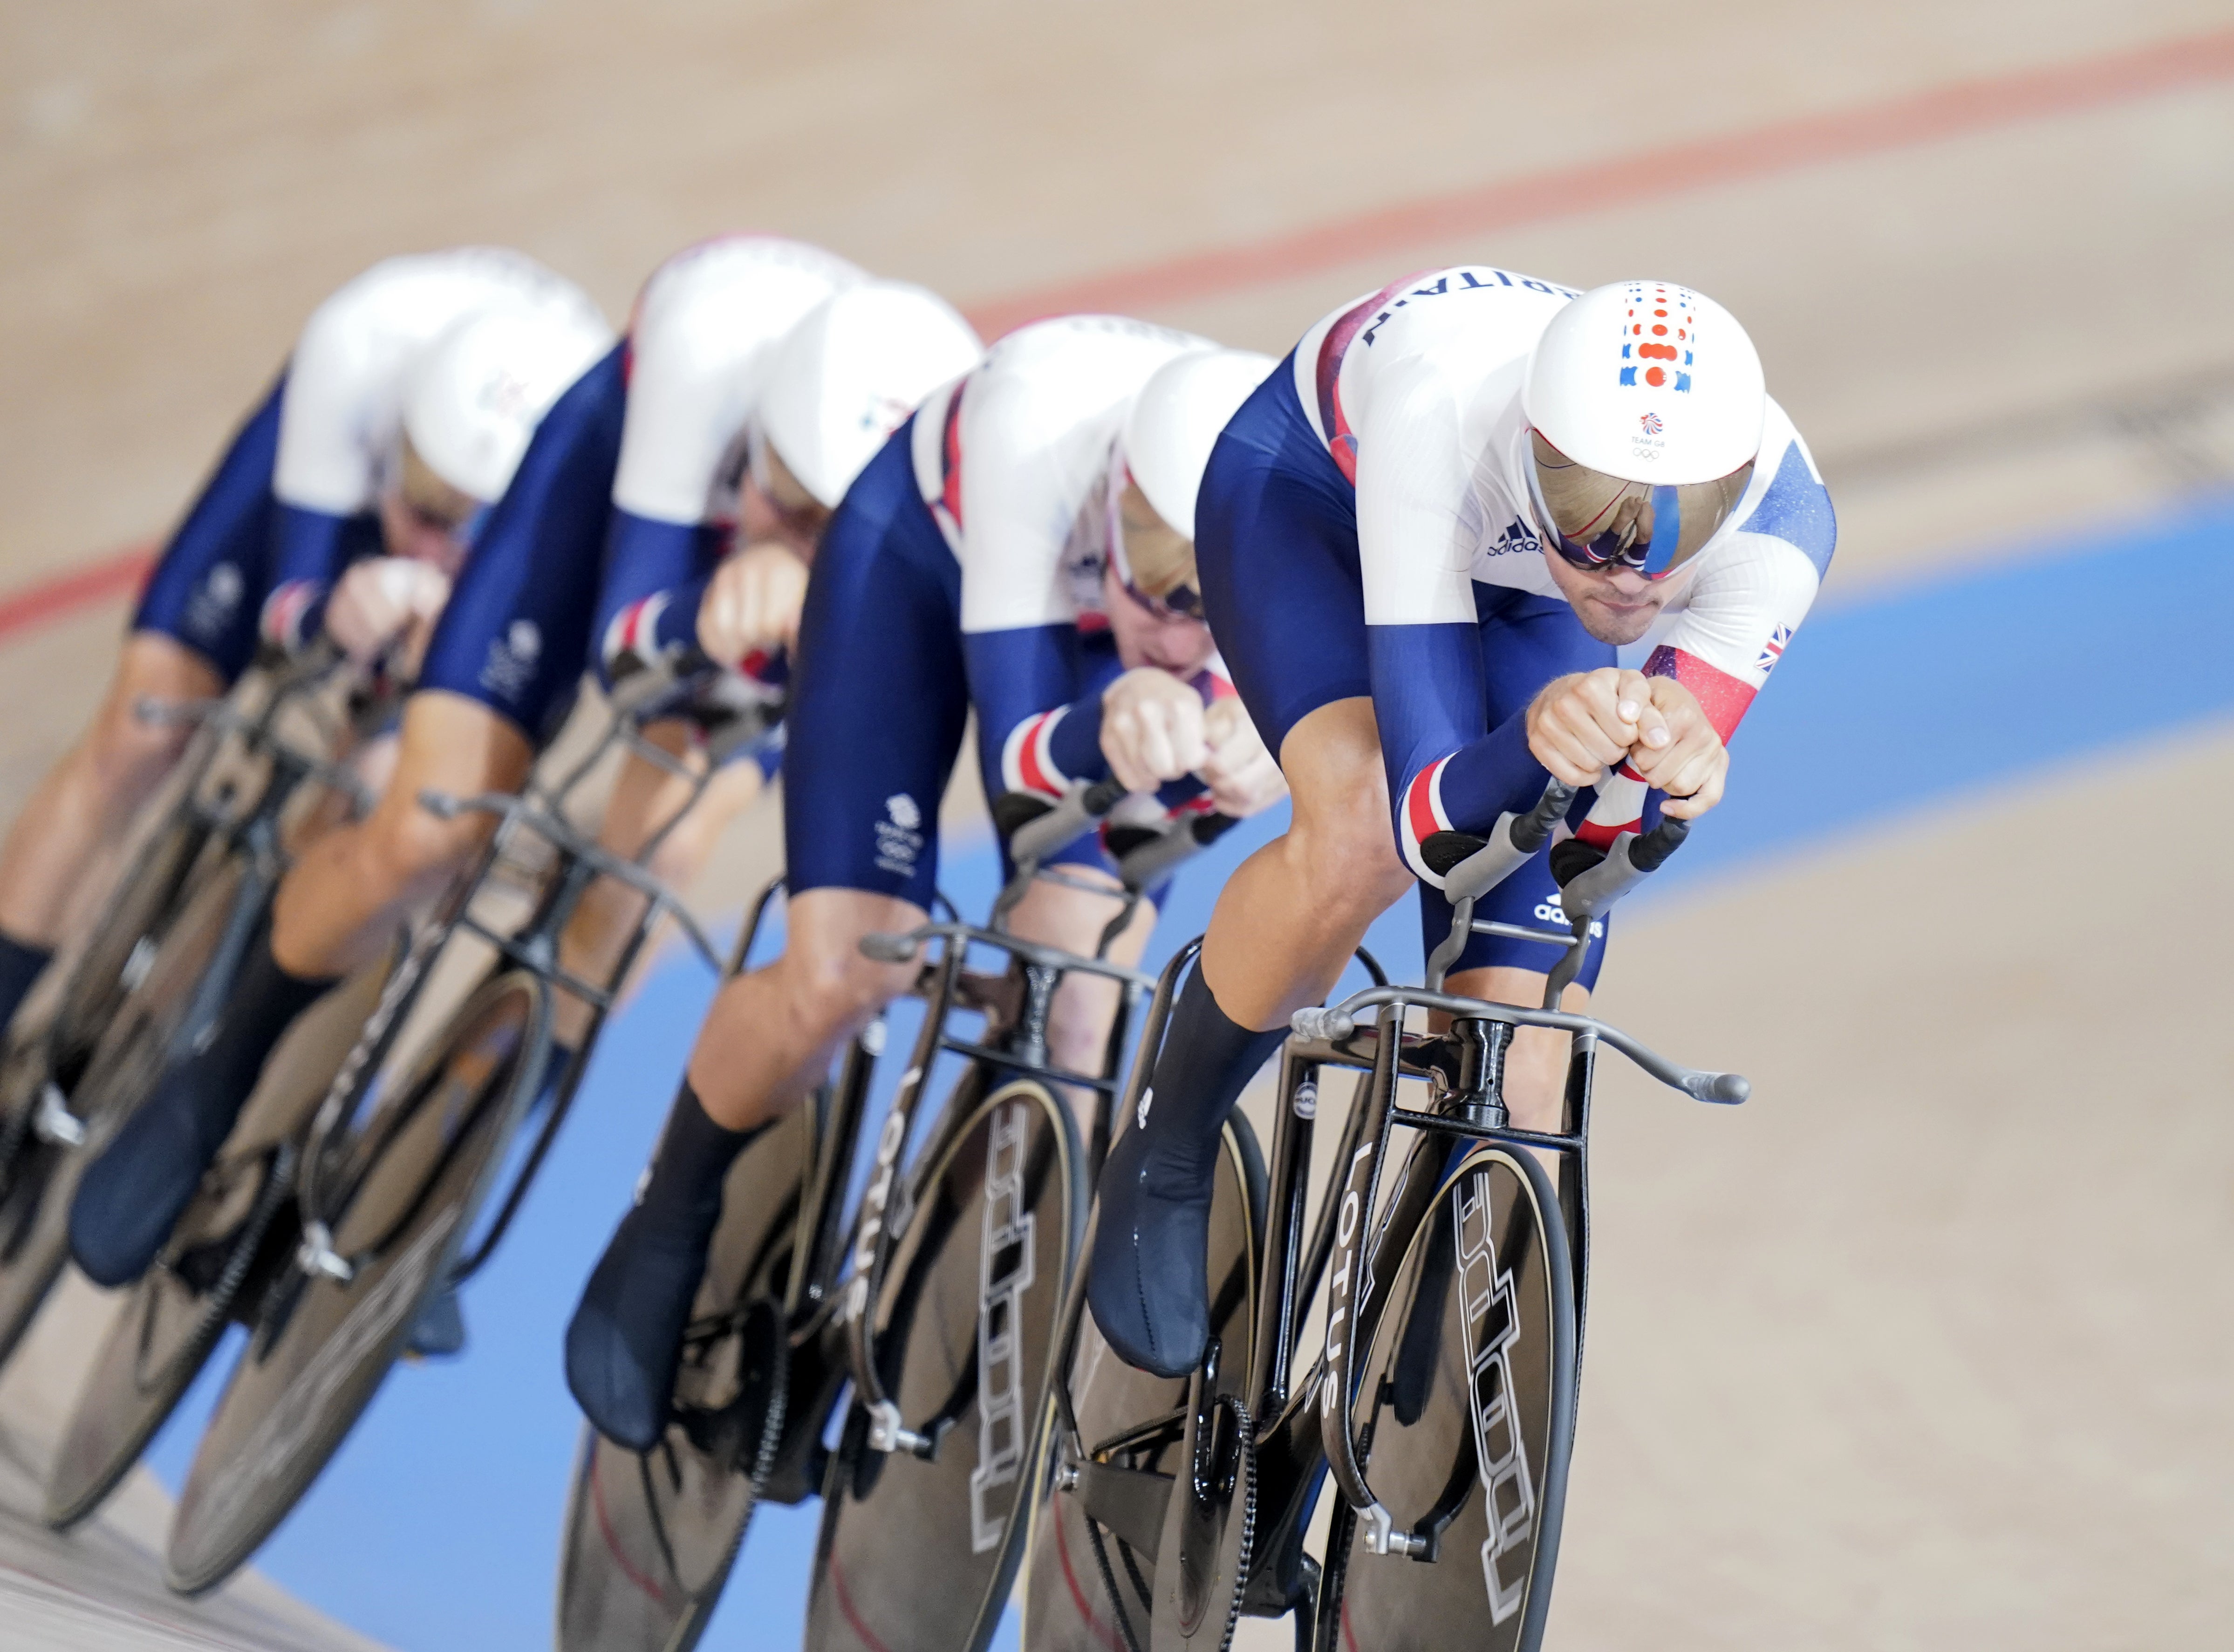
column 1421, row 542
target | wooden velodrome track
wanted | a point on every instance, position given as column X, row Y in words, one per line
column 1925, row 1349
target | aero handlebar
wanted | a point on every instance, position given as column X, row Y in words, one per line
column 1339, row 1021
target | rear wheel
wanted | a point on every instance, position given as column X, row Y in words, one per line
column 165, row 1332
column 35, row 1208
column 1094, row 1548
column 649, row 1539
column 922, row 1550
column 1465, row 1415
column 322, row 1345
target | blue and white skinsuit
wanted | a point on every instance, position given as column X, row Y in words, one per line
column 294, row 500
column 965, row 570
column 1365, row 528
column 627, row 499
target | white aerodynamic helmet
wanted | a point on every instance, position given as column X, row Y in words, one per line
column 851, row 371
column 477, row 393
column 1646, row 403
column 1175, row 420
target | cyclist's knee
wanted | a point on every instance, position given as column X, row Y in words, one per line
column 1345, row 848
column 409, row 846
column 834, row 986
column 124, row 753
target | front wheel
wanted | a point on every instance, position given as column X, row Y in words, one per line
column 920, row 1548
column 1465, row 1419
column 323, row 1343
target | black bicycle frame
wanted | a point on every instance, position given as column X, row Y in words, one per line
column 1016, row 1005
column 533, row 947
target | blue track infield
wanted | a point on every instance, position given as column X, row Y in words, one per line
column 436, row 1528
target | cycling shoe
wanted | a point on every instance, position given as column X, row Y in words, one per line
column 625, row 1340
column 133, row 1194
column 1149, row 1286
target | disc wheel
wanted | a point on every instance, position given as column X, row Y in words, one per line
column 1465, row 1412
column 164, row 1333
column 35, row 1207
column 1209, row 1527
column 923, row 1550
column 321, row 1346
column 649, row 1539
column 1089, row 1585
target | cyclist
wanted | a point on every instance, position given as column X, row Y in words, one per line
column 333, row 465
column 1421, row 542
column 1020, row 548
column 512, row 644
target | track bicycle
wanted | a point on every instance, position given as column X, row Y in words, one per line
column 1443, row 1400
column 156, row 965
column 340, row 1244
column 936, row 1308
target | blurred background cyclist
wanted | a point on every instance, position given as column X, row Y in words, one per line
column 811, row 365
column 370, row 462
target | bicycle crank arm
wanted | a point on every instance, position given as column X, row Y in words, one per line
column 1129, row 1502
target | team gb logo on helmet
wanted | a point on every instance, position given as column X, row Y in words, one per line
column 1658, row 332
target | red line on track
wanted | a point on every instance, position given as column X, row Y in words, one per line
column 118, row 574
column 1760, row 152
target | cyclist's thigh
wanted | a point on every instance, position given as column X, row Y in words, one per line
column 515, row 635
column 879, row 699
column 208, row 586
column 453, row 744
column 1275, row 548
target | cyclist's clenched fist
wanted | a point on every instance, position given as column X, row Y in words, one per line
column 753, row 601
column 1151, row 728
column 1690, row 765
column 1581, row 725
column 382, row 599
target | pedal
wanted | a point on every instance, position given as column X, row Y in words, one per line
column 54, row 1122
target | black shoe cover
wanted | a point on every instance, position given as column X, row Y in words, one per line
column 1149, row 1287
column 132, row 1196
column 625, row 1340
